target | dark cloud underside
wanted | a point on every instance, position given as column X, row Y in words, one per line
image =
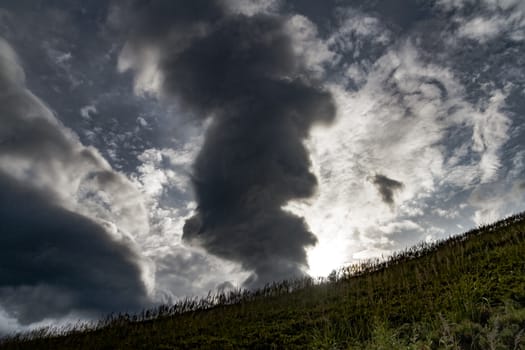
column 386, row 187
column 243, row 71
column 54, row 261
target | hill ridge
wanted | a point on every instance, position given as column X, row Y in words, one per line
column 454, row 291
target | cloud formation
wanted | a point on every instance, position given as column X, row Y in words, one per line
column 493, row 19
column 412, row 120
column 55, row 261
column 67, row 218
column 262, row 98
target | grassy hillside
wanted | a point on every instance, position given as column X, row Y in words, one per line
column 467, row 292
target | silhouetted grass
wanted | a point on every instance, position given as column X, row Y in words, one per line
column 465, row 292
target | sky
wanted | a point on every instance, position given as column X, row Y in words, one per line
column 156, row 150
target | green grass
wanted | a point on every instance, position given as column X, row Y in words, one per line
column 466, row 292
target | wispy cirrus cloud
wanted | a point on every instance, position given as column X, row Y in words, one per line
column 412, row 121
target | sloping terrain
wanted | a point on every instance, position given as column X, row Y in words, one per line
column 467, row 292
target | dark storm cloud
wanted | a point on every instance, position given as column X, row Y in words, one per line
column 243, row 72
column 156, row 20
column 386, row 187
column 54, row 261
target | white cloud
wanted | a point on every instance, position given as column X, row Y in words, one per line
column 12, row 72
column 142, row 122
column 356, row 33
column 184, row 271
column 356, row 26
column 492, row 19
column 397, row 125
column 252, row 7
column 307, row 45
column 494, row 200
column 488, row 4
column 86, row 111
column 518, row 165
column 482, row 28
column 145, row 63
column 491, row 128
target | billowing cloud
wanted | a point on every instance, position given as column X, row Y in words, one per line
column 247, row 75
column 55, row 261
column 252, row 7
column 67, row 218
column 482, row 29
column 494, row 18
